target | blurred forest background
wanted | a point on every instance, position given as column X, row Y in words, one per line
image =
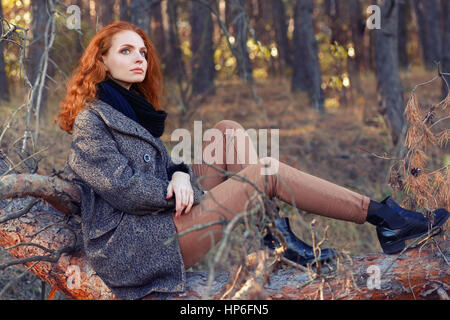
column 319, row 70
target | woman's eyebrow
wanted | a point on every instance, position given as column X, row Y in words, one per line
column 129, row 45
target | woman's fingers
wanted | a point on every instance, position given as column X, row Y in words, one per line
column 191, row 202
column 169, row 190
column 184, row 200
column 179, row 197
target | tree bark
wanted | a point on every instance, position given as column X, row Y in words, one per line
column 105, row 12
column 239, row 27
column 158, row 32
column 419, row 273
column 357, row 25
column 175, row 68
column 281, row 38
column 357, row 28
column 63, row 196
column 39, row 18
column 445, row 62
column 140, row 14
column 202, row 62
column 124, row 10
column 404, row 16
column 387, row 71
column 306, row 68
column 4, row 92
column 428, row 20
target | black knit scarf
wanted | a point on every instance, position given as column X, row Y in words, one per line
column 133, row 104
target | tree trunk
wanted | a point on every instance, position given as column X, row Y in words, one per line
column 387, row 71
column 39, row 18
column 202, row 49
column 446, row 47
column 4, row 92
column 228, row 14
column 240, row 30
column 404, row 16
column 357, row 25
column 79, row 37
column 260, row 19
column 357, row 28
column 338, row 13
column 428, row 20
column 306, row 68
column 140, row 14
column 416, row 274
column 175, row 68
column 280, row 26
column 124, row 10
column 105, row 12
column 158, row 32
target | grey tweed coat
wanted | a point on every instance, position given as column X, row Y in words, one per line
column 123, row 172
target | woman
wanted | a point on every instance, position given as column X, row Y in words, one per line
column 135, row 198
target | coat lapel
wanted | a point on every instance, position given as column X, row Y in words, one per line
column 118, row 121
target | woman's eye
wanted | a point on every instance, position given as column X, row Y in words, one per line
column 122, row 51
column 144, row 53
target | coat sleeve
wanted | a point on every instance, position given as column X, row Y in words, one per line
column 95, row 158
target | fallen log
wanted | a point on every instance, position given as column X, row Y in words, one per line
column 46, row 233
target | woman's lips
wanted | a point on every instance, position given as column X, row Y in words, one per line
column 138, row 70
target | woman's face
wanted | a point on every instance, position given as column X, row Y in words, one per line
column 126, row 59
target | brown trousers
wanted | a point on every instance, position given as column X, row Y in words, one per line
column 227, row 197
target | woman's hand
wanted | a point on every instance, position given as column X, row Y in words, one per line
column 180, row 185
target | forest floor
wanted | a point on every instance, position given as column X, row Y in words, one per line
column 335, row 147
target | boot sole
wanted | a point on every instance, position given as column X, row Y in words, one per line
column 400, row 245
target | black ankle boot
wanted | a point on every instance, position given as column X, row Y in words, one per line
column 297, row 251
column 395, row 225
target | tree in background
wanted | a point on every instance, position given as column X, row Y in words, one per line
column 175, row 68
column 4, row 92
column 158, row 35
column 140, row 13
column 105, row 12
column 387, row 70
column 445, row 62
column 202, row 61
column 306, row 69
column 428, row 23
column 404, row 16
column 124, row 10
column 239, row 28
column 39, row 18
column 281, row 36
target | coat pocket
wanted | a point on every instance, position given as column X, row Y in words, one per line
column 98, row 217
column 100, row 227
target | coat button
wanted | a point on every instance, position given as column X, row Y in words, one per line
column 146, row 157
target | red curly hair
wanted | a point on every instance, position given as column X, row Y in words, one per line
column 82, row 87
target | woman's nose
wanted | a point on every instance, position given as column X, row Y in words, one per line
column 138, row 56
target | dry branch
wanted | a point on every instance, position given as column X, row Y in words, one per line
column 62, row 195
